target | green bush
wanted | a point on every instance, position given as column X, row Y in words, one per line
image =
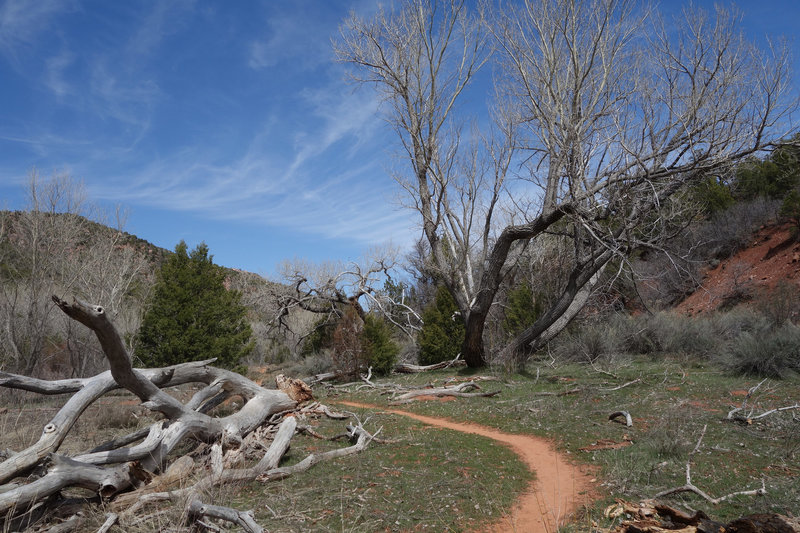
column 379, row 349
column 713, row 194
column 521, row 310
column 320, row 338
column 774, row 353
column 443, row 330
column 790, row 209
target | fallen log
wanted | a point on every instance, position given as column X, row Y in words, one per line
column 120, row 465
column 459, row 390
column 406, row 368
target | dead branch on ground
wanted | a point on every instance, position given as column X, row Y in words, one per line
column 691, row 487
column 625, row 414
column 459, row 391
column 130, row 472
column 406, row 368
column 576, row 390
column 734, row 415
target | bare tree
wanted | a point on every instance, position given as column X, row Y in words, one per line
column 53, row 245
column 327, row 290
column 601, row 113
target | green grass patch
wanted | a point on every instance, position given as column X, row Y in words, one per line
column 428, row 479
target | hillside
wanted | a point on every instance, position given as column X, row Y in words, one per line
column 71, row 256
column 772, row 259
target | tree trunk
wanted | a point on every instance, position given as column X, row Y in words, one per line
column 472, row 350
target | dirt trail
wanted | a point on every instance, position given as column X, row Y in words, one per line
column 559, row 489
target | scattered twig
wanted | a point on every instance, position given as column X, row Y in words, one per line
column 612, row 389
column 459, row 390
column 405, row 368
column 601, row 371
column 733, row 414
column 71, row 524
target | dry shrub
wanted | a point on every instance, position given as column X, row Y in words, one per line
column 312, row 365
column 781, row 304
column 772, row 353
column 116, row 415
column 348, row 352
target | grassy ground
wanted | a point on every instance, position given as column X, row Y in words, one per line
column 670, row 405
column 428, row 480
column 438, row 480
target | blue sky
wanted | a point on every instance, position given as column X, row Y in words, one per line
column 227, row 122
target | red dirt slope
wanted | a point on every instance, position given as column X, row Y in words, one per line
column 772, row 256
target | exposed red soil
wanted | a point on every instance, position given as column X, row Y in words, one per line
column 773, row 256
column 559, row 489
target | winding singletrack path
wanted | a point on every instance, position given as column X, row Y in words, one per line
column 559, row 489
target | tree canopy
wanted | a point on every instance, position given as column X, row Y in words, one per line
column 603, row 116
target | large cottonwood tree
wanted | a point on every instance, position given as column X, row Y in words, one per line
column 602, row 114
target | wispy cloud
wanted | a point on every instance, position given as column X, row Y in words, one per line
column 333, row 184
column 166, row 18
column 120, row 95
column 21, row 22
column 55, row 68
column 286, row 38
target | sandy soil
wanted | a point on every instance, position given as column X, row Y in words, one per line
column 559, row 489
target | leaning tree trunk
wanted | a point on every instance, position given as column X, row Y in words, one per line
column 581, row 283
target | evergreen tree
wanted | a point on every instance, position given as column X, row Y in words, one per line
column 442, row 331
column 380, row 351
column 522, row 310
column 192, row 316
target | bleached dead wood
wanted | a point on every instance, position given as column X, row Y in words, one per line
column 691, row 487
column 265, row 471
column 111, row 519
column 57, row 472
column 65, row 472
column 319, row 378
column 406, row 368
column 459, row 390
column 735, row 415
column 626, row 414
column 244, row 519
column 136, row 459
column 71, row 524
